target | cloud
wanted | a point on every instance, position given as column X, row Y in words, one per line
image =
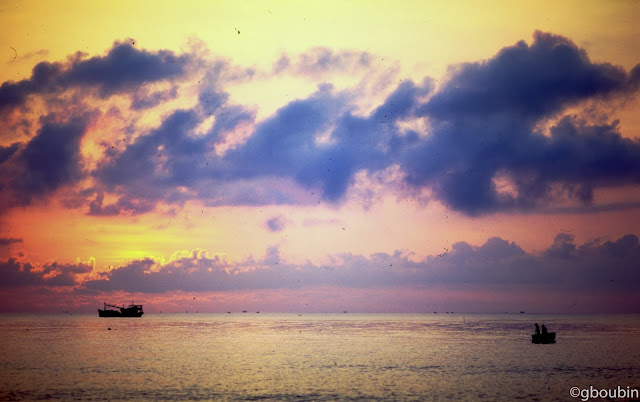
column 482, row 153
column 122, row 69
column 124, row 204
column 285, row 146
column 320, row 60
column 600, row 273
column 466, row 161
column 288, row 144
column 276, row 224
column 50, row 160
column 29, row 55
column 15, row 274
column 154, row 167
column 529, row 82
column 592, row 267
column 484, row 134
column 563, row 267
column 142, row 99
column 125, row 67
column 473, row 142
column 7, row 241
column 52, row 157
column 195, row 272
column 7, row 152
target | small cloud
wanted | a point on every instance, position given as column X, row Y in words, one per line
column 42, row 53
column 6, row 241
column 276, row 224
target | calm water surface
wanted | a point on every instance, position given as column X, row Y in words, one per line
column 314, row 356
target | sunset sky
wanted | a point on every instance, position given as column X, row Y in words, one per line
column 368, row 156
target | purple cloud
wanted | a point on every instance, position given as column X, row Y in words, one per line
column 276, row 224
column 529, row 82
column 564, row 266
column 7, row 241
column 50, row 160
column 15, row 274
column 482, row 123
column 122, row 69
column 482, row 129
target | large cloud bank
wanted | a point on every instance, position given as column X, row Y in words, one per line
column 598, row 266
column 496, row 136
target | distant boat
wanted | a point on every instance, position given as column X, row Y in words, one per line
column 110, row 310
column 549, row 337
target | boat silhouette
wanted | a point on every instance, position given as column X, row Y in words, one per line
column 111, row 310
column 548, row 337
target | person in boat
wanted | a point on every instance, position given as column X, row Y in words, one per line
column 544, row 330
column 537, row 329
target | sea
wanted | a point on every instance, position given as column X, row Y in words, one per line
column 315, row 357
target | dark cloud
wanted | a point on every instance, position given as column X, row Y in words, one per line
column 287, row 144
column 462, row 160
column 133, row 206
column 125, row 67
column 7, row 152
column 50, row 160
column 172, row 163
column 276, row 224
column 528, row 81
column 152, row 168
column 142, row 99
column 52, row 157
column 592, row 267
column 564, row 266
column 482, row 153
column 122, row 69
column 15, row 274
column 563, row 247
column 6, row 241
column 565, row 271
column 200, row 273
column 43, row 80
column 483, row 129
column 197, row 272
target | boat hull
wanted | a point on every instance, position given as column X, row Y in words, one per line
column 113, row 313
column 549, row 337
column 110, row 310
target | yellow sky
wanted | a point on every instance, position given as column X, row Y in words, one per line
column 430, row 34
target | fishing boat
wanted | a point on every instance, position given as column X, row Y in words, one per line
column 111, row 310
column 548, row 337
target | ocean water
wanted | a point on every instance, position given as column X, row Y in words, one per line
column 315, row 356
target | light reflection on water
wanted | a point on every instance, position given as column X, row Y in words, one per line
column 314, row 356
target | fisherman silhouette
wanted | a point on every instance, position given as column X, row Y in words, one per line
column 544, row 336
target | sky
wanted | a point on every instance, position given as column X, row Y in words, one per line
column 362, row 156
